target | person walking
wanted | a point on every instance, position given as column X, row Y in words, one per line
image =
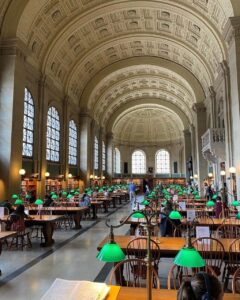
column 132, row 194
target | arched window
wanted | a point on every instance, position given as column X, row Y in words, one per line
column 103, row 156
column 72, row 146
column 28, row 125
column 95, row 153
column 117, row 161
column 53, row 135
column 162, row 162
column 138, row 162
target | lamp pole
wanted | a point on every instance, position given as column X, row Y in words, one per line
column 148, row 224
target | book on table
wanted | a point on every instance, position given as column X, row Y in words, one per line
column 62, row 289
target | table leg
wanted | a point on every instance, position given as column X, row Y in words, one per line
column 105, row 206
column 77, row 220
column 48, row 229
column 94, row 211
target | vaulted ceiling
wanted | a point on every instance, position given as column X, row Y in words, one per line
column 110, row 56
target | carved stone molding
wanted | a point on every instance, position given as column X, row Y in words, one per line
column 232, row 30
column 13, row 47
column 199, row 107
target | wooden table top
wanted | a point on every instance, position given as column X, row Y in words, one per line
column 126, row 293
column 59, row 208
column 42, row 218
column 137, row 221
column 213, row 221
column 6, row 234
column 167, row 244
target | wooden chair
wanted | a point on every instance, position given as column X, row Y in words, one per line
column 181, row 231
column 177, row 275
column 22, row 238
column 137, row 248
column 212, row 251
column 132, row 273
column 236, row 282
column 228, row 231
column 233, row 261
column 141, row 230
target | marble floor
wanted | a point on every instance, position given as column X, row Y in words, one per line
column 27, row 274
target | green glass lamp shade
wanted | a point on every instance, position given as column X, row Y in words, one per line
column 145, row 202
column 64, row 194
column 149, row 196
column 175, row 215
column 76, row 193
column 28, row 197
column 69, row 196
column 14, row 196
column 111, row 252
column 52, row 193
column 18, row 201
column 72, row 191
column 214, row 197
column 54, row 197
column 180, row 193
column 235, row 203
column 238, row 216
column 164, row 202
column 197, row 197
column 195, row 192
column 190, row 258
column 101, row 190
column 210, row 203
column 39, row 202
column 138, row 215
column 167, row 197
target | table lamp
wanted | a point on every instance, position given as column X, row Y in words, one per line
column 188, row 256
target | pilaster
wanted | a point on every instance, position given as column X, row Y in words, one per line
column 232, row 38
column 187, row 151
column 86, row 153
column 200, row 111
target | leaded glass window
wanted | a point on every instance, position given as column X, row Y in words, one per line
column 53, row 135
column 162, row 162
column 28, row 125
column 72, row 147
column 95, row 153
column 103, row 156
column 138, row 162
column 117, row 161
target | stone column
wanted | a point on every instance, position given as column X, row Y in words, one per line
column 110, row 156
column 100, row 152
column 86, row 151
column 12, row 84
column 65, row 137
column 40, row 134
column 193, row 143
column 187, row 151
column 232, row 37
column 212, row 96
column 200, row 110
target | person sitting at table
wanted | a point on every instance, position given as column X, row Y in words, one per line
column 106, row 193
column 17, row 218
column 85, row 200
column 8, row 205
column 48, row 201
column 201, row 286
column 166, row 225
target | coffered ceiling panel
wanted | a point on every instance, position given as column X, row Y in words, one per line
column 148, row 125
column 73, row 40
column 140, row 82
